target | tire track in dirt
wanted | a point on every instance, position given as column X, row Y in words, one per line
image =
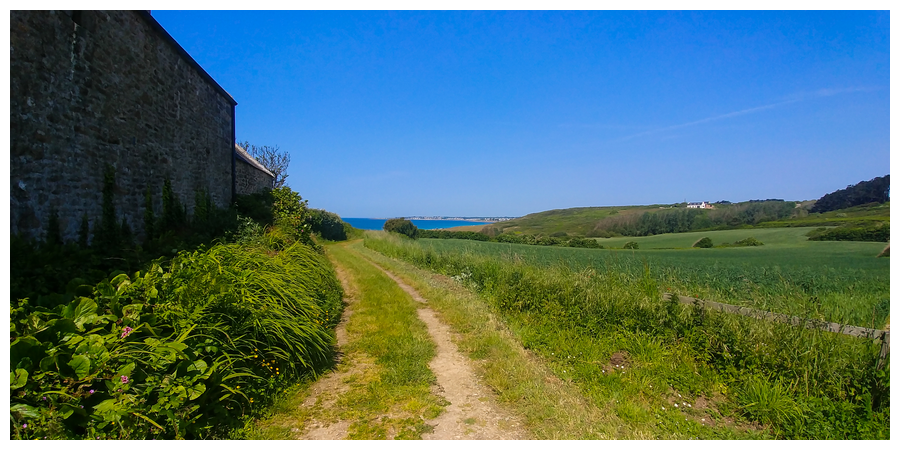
column 473, row 412
column 325, row 392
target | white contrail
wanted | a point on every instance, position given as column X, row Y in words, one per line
column 794, row 99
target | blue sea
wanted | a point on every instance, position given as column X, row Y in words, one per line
column 377, row 224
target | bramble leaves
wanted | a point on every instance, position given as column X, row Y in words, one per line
column 83, row 313
column 82, row 366
column 18, row 378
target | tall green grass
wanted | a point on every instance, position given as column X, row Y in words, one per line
column 831, row 378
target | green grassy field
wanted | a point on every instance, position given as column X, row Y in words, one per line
column 589, row 310
column 837, row 281
column 795, row 237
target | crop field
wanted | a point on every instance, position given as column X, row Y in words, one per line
column 840, row 282
column 590, row 309
column 780, row 237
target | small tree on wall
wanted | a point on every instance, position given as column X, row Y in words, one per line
column 272, row 158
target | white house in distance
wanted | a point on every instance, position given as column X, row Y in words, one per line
column 701, row 205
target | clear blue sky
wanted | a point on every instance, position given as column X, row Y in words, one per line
column 506, row 113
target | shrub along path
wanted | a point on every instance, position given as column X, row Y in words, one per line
column 399, row 374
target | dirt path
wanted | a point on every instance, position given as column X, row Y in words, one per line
column 472, row 412
column 325, row 392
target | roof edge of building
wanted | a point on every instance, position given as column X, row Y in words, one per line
column 184, row 54
column 247, row 158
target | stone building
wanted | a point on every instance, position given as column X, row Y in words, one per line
column 250, row 175
column 91, row 89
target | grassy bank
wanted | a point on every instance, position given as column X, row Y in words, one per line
column 591, row 322
column 188, row 348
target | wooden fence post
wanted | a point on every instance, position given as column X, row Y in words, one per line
column 885, row 349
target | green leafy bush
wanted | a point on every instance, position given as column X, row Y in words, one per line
column 748, row 242
column 401, row 226
column 328, row 224
column 353, row 233
column 257, row 206
column 630, row 245
column 582, row 243
column 703, row 242
column 291, row 212
column 873, row 232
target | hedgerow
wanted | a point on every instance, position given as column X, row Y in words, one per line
column 527, row 239
column 872, row 232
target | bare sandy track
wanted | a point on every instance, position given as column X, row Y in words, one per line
column 473, row 413
column 325, row 391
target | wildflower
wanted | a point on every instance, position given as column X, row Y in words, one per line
column 676, row 405
column 24, row 425
column 126, row 331
column 89, row 392
column 45, row 398
column 664, row 408
column 124, row 379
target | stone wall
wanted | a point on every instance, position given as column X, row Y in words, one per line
column 250, row 179
column 250, row 176
column 91, row 88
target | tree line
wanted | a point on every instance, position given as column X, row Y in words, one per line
column 876, row 190
column 680, row 220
